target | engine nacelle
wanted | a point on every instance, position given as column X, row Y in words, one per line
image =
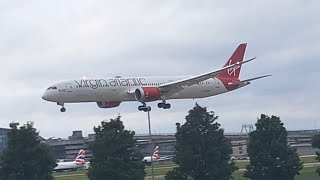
column 147, row 94
column 108, row 104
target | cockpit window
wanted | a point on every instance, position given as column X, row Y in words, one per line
column 53, row 87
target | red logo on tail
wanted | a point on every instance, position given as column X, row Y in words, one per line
column 236, row 57
column 233, row 71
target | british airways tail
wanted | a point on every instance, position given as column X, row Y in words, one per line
column 237, row 57
column 80, row 157
column 155, row 153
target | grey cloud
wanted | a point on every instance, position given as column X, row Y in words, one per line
column 42, row 42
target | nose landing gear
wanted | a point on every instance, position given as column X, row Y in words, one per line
column 63, row 109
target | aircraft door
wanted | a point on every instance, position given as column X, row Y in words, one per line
column 216, row 83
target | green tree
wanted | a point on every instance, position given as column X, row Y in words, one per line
column 115, row 154
column 26, row 157
column 202, row 151
column 269, row 152
column 316, row 144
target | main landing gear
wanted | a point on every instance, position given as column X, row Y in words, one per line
column 144, row 108
column 164, row 105
column 63, row 109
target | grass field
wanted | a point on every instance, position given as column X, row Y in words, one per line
column 309, row 159
column 161, row 169
column 305, row 174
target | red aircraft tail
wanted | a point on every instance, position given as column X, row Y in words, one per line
column 236, row 57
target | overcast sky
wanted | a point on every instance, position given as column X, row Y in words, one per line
column 43, row 42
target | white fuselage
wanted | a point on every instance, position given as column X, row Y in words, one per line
column 122, row 89
column 147, row 159
column 64, row 166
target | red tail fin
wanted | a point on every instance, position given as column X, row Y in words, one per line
column 236, row 57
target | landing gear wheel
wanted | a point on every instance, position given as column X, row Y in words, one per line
column 164, row 105
column 140, row 108
column 63, row 109
column 148, row 108
column 160, row 105
column 144, row 108
column 167, row 106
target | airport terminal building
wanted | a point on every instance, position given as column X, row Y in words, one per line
column 68, row 148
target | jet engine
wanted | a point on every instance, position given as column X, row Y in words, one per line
column 108, row 104
column 147, row 94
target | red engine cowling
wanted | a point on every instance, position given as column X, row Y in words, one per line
column 108, row 104
column 147, row 94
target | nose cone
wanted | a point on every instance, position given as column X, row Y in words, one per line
column 45, row 96
column 49, row 96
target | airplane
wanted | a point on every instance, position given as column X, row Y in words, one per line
column 110, row 92
column 79, row 162
column 155, row 156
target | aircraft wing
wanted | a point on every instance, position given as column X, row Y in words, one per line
column 171, row 88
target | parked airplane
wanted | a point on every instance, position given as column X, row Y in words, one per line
column 79, row 162
column 155, row 156
column 110, row 92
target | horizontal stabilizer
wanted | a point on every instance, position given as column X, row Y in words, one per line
column 252, row 79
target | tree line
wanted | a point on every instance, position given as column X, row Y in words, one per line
column 202, row 152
